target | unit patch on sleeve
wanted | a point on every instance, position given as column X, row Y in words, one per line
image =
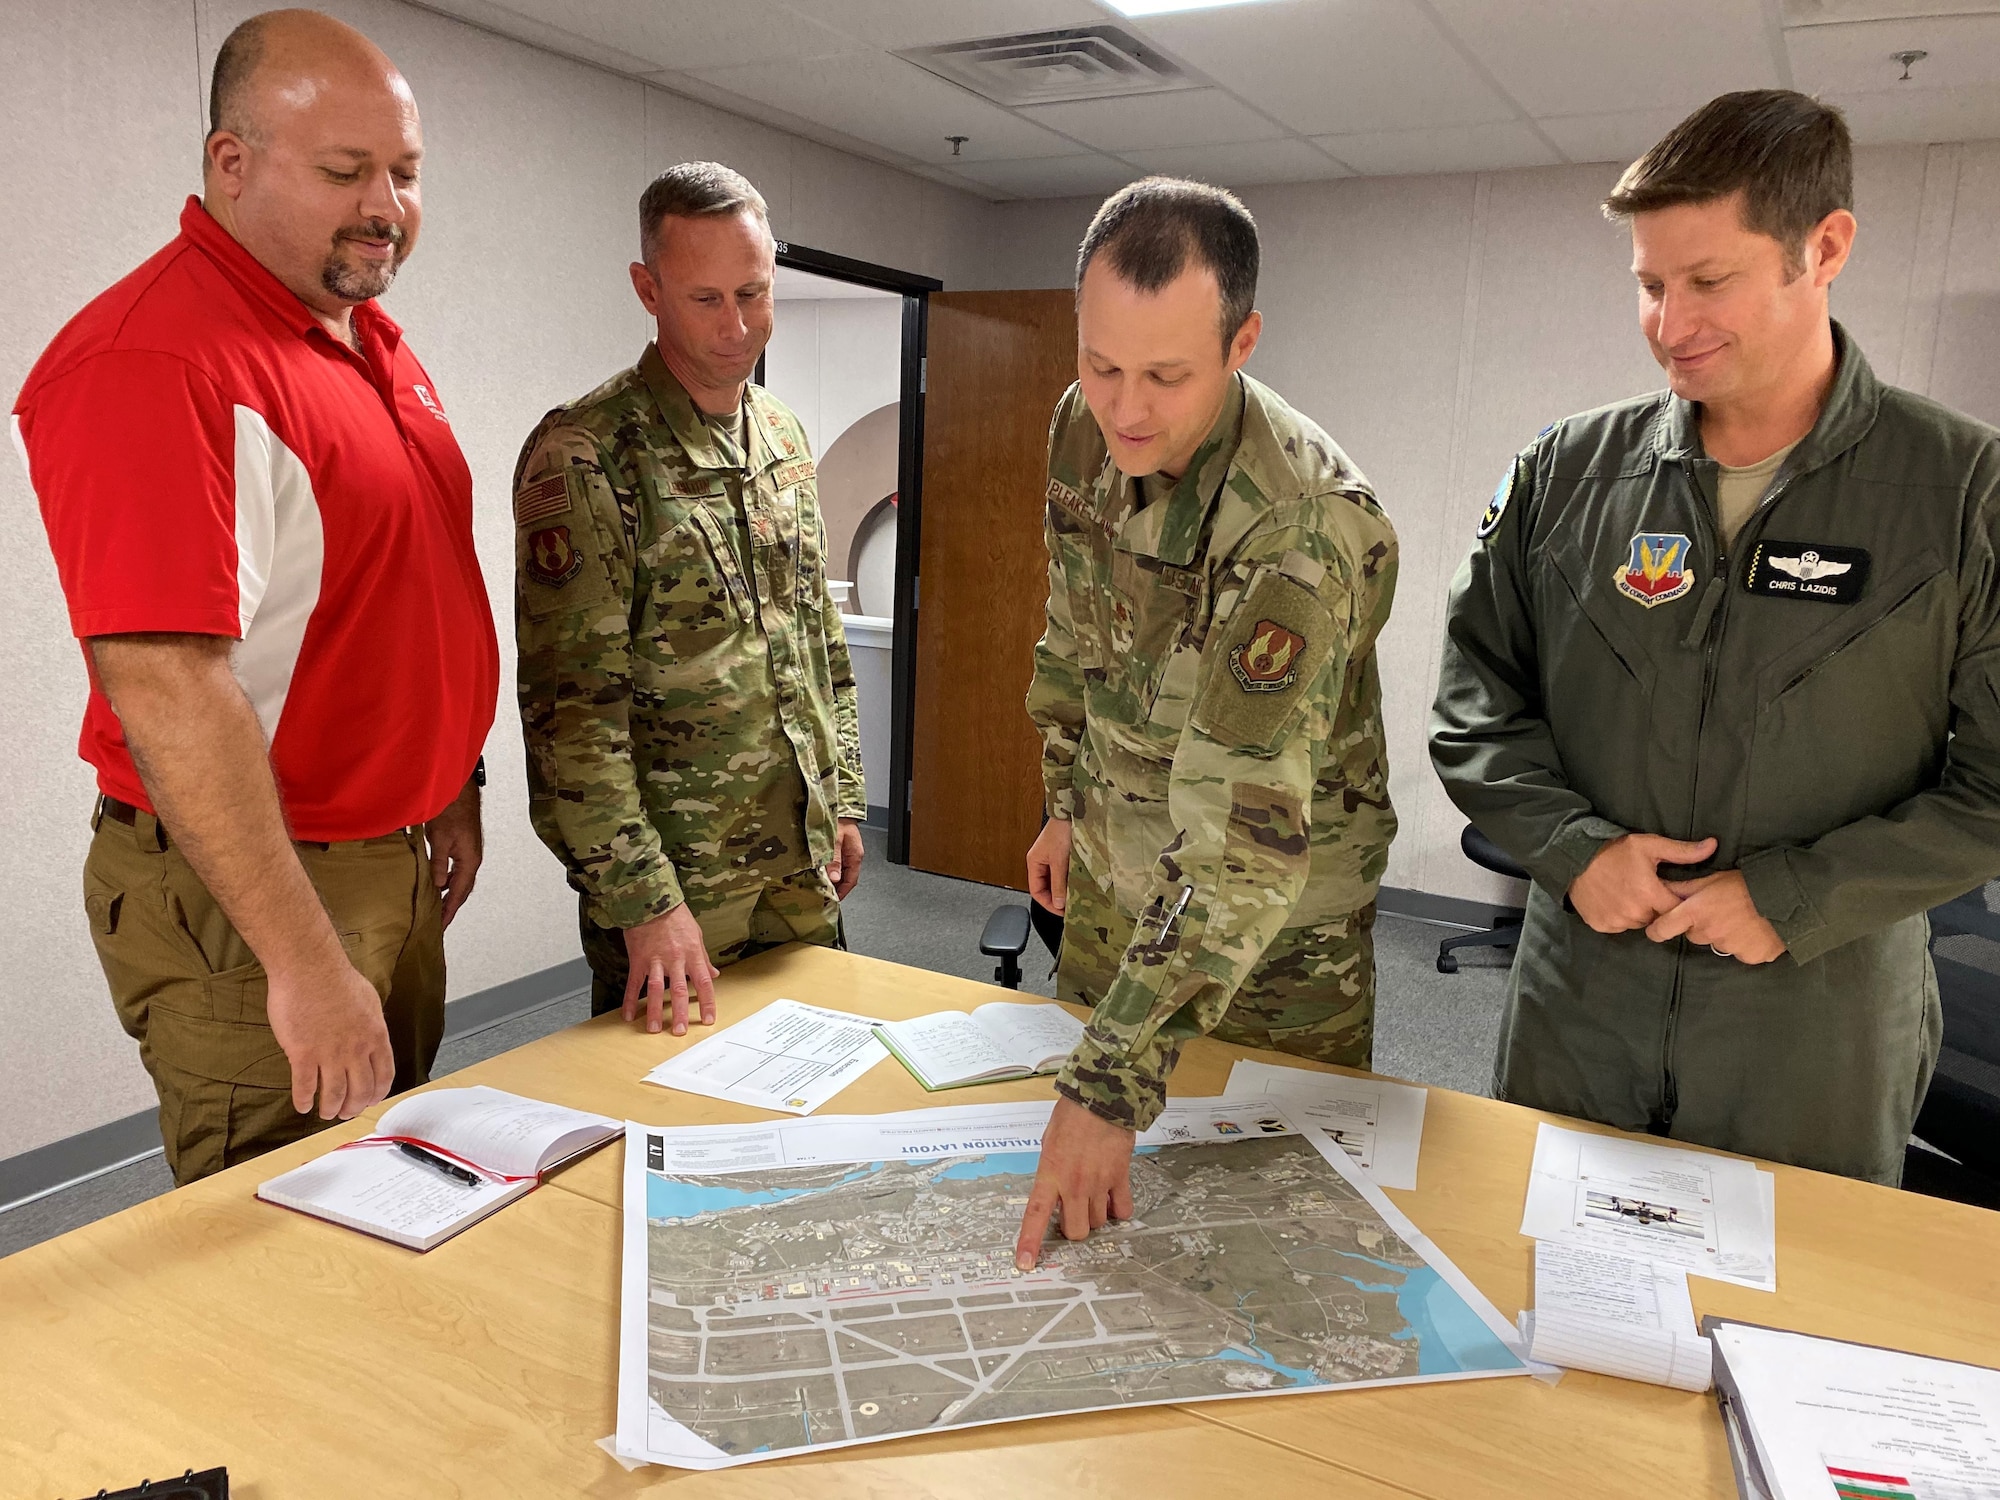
column 1658, row 569
column 1497, row 506
column 552, row 560
column 542, row 499
column 1269, row 661
column 1807, row 570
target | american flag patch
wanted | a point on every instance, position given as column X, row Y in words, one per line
column 793, row 473
column 545, row 498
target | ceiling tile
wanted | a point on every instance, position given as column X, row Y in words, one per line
column 1575, row 57
column 875, row 97
column 1624, row 136
column 686, row 34
column 1462, row 148
column 1854, row 59
column 1241, row 165
column 1188, row 117
column 1920, row 116
column 1048, row 177
column 1358, row 65
column 508, row 21
column 891, row 24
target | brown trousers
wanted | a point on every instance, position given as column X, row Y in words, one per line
column 191, row 993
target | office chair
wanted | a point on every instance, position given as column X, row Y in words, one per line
column 1506, row 929
column 1961, row 1113
column 1006, row 938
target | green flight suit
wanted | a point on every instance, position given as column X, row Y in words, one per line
column 1211, row 720
column 1824, row 702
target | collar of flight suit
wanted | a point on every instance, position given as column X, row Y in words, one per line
column 698, row 439
column 1170, row 529
column 1849, row 412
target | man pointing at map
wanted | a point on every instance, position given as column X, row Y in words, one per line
column 1206, row 694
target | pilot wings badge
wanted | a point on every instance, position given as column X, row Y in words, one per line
column 1658, row 569
column 1809, row 565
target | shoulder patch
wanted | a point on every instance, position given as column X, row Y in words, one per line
column 796, row 472
column 1497, row 506
column 1273, row 647
column 552, row 559
column 542, row 499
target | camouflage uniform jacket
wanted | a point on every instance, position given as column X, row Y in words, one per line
column 1210, row 714
column 686, row 697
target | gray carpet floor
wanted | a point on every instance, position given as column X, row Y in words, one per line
column 1430, row 1028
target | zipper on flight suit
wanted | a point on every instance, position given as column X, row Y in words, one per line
column 1711, row 618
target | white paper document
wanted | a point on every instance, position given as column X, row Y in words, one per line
column 788, row 1057
column 1628, row 1318
column 1378, row 1124
column 1709, row 1215
column 1826, row 1419
column 799, row 1285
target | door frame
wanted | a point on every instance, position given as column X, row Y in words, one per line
column 915, row 291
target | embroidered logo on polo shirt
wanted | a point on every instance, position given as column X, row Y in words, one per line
column 430, row 403
column 1266, row 663
column 538, row 501
column 1658, row 570
column 552, row 561
column 1807, row 570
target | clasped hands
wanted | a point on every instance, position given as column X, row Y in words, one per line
column 1621, row 889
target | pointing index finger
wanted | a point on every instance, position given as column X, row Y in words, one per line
column 1034, row 1226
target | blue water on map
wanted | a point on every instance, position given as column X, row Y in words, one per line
column 1020, row 1163
column 669, row 1199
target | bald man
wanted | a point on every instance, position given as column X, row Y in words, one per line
column 262, row 524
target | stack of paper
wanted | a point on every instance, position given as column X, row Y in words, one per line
column 1812, row 1419
column 788, row 1057
column 1620, row 1225
column 1379, row 1124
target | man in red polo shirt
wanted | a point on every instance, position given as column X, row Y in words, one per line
column 263, row 527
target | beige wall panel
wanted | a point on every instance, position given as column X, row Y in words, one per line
column 106, row 145
column 1965, row 371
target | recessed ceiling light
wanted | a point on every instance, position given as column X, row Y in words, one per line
column 1167, row 7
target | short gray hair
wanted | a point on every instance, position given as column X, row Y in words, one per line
column 694, row 190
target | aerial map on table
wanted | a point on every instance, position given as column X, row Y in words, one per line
column 808, row 1283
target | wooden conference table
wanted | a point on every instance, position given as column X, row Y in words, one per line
column 207, row 1328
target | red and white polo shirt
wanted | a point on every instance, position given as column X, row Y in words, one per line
column 209, row 460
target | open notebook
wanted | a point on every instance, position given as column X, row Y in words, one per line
column 504, row 1143
column 952, row 1048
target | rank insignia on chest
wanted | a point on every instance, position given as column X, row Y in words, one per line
column 1267, row 662
column 763, row 528
column 1659, row 569
column 551, row 559
column 1807, row 570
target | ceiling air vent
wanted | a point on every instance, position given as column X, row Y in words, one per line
column 1049, row 67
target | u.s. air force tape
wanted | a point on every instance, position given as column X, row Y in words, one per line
column 1807, row 570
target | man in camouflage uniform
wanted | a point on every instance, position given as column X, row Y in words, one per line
column 694, row 755
column 1207, row 695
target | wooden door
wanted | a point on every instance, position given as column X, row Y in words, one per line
column 998, row 363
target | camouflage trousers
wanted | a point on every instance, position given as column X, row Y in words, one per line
column 1312, row 994
column 735, row 925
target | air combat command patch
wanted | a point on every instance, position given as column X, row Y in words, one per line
column 1658, row 569
column 1269, row 661
column 552, row 561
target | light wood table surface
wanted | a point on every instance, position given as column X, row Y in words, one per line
column 206, row 1327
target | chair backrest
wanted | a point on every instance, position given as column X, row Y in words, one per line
column 1961, row 1116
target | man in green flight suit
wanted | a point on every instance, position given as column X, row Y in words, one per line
column 1723, row 672
column 1206, row 692
column 694, row 755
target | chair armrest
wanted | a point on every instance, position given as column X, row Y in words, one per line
column 1006, row 932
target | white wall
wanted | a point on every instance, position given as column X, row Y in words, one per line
column 833, row 360
column 517, row 299
column 1434, row 325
